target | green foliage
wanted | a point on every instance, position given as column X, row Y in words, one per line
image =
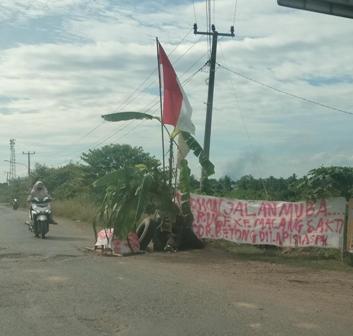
column 80, row 208
column 318, row 183
column 107, row 159
column 221, row 187
column 184, row 188
column 63, row 182
column 327, row 182
column 123, row 116
column 17, row 188
column 271, row 188
column 4, row 192
column 132, row 192
column 205, row 163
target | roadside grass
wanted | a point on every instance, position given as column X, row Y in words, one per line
column 79, row 209
column 314, row 258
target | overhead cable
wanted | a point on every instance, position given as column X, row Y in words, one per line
column 286, row 93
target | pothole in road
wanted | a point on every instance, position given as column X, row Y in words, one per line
column 60, row 257
column 257, row 326
column 307, row 325
column 57, row 279
column 248, row 305
column 40, row 257
column 299, row 281
column 17, row 255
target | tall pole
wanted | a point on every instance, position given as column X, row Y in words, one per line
column 29, row 160
column 212, row 75
column 160, row 101
column 12, row 159
column 170, row 163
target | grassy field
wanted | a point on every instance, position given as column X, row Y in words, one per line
column 75, row 209
column 318, row 258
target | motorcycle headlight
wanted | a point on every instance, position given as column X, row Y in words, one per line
column 42, row 217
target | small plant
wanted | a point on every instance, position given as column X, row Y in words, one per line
column 132, row 192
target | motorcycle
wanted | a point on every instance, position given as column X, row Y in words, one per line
column 15, row 204
column 40, row 214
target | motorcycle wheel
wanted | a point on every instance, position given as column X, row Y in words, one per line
column 43, row 229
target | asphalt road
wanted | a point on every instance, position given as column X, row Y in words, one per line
column 55, row 287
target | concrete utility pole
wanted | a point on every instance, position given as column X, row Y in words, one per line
column 212, row 61
column 29, row 160
column 12, row 160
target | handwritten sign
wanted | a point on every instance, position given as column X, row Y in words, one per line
column 105, row 240
column 287, row 224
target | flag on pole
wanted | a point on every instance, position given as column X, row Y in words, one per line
column 183, row 150
column 176, row 107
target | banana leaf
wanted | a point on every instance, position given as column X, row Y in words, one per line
column 123, row 116
column 205, row 163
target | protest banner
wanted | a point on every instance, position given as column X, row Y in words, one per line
column 286, row 224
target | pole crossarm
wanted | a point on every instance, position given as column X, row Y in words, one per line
column 214, row 31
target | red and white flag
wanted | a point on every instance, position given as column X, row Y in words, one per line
column 176, row 107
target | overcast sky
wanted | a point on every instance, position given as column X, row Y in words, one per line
column 65, row 63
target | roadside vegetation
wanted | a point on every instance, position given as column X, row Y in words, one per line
column 114, row 179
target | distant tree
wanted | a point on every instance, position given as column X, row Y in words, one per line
column 271, row 188
column 219, row 187
column 327, row 182
column 113, row 157
column 64, row 182
column 248, row 187
column 194, row 184
column 225, row 185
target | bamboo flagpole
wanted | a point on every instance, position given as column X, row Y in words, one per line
column 160, row 102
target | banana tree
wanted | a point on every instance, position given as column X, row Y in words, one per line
column 133, row 191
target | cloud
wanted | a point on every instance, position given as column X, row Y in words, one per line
column 19, row 10
column 65, row 63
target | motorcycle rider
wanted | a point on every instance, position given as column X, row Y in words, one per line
column 40, row 191
column 15, row 203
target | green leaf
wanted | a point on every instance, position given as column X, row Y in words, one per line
column 123, row 116
column 205, row 163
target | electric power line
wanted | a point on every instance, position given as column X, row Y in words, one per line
column 137, row 124
column 122, row 127
column 193, row 4
column 246, row 130
column 235, row 11
column 138, row 89
column 137, row 93
column 285, row 92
